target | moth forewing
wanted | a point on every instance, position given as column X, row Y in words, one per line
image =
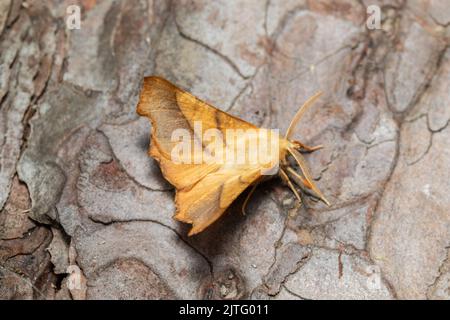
column 215, row 148
column 183, row 150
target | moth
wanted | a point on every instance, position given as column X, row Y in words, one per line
column 205, row 189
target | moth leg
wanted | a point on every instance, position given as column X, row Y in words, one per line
column 307, row 181
column 304, row 147
column 244, row 205
column 301, row 182
column 286, row 179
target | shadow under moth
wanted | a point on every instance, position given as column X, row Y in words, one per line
column 220, row 155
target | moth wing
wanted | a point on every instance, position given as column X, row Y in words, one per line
column 170, row 108
column 210, row 117
column 207, row 200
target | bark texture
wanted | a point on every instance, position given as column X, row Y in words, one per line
column 85, row 214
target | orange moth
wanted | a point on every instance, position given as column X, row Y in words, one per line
column 211, row 157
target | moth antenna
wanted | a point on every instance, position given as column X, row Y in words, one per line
column 307, row 181
column 300, row 113
column 285, row 177
column 244, row 205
